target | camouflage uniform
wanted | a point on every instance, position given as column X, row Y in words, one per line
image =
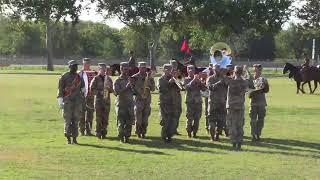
column 258, row 105
column 70, row 89
column 166, row 92
column 102, row 104
column 124, row 105
column 142, row 101
column 216, row 105
column 206, row 113
column 177, row 100
column 237, row 87
column 194, row 104
column 86, row 120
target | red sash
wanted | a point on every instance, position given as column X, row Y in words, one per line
column 75, row 83
column 90, row 76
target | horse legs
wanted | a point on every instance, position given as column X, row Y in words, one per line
column 301, row 89
column 310, row 90
column 315, row 86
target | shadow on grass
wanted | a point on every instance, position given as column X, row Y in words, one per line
column 190, row 145
column 288, row 145
column 202, row 144
column 124, row 149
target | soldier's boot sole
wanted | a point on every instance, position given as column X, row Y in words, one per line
column 239, row 146
column 126, row 139
column 189, row 134
column 258, row 138
column 68, row 140
column 74, row 140
column 254, row 139
column 217, row 138
column 194, row 135
column 234, row 145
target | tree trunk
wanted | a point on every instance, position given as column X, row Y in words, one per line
column 153, row 48
column 49, row 27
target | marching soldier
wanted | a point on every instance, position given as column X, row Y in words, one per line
column 193, row 86
column 167, row 90
column 87, row 75
column 101, row 87
column 144, row 84
column 258, row 102
column 216, row 103
column 177, row 97
column 71, row 92
column 123, row 88
column 237, row 87
column 206, row 98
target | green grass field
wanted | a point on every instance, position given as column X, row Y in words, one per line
column 32, row 145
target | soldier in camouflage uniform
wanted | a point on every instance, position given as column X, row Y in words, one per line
column 206, row 99
column 143, row 85
column 237, row 87
column 193, row 86
column 71, row 92
column 177, row 98
column 167, row 90
column 258, row 102
column 123, row 88
column 87, row 75
column 101, row 87
column 217, row 103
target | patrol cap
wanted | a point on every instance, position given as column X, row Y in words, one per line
column 173, row 62
column 72, row 62
column 124, row 65
column 238, row 69
column 167, row 66
column 191, row 67
column 142, row 64
column 102, row 65
column 86, row 60
column 258, row 66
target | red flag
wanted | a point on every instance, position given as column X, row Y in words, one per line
column 185, row 47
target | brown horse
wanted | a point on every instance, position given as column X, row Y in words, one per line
column 183, row 68
column 116, row 68
column 295, row 73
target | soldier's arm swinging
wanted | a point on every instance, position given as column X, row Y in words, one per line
column 93, row 87
column 61, row 87
column 152, row 85
column 118, row 89
column 163, row 85
column 266, row 86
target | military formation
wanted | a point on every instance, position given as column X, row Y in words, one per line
column 82, row 93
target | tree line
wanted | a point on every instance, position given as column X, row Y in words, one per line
column 155, row 29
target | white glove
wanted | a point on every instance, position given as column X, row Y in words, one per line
column 60, row 102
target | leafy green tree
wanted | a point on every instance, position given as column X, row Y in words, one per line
column 144, row 16
column 99, row 40
column 50, row 12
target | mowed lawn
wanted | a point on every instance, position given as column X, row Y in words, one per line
column 32, row 145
